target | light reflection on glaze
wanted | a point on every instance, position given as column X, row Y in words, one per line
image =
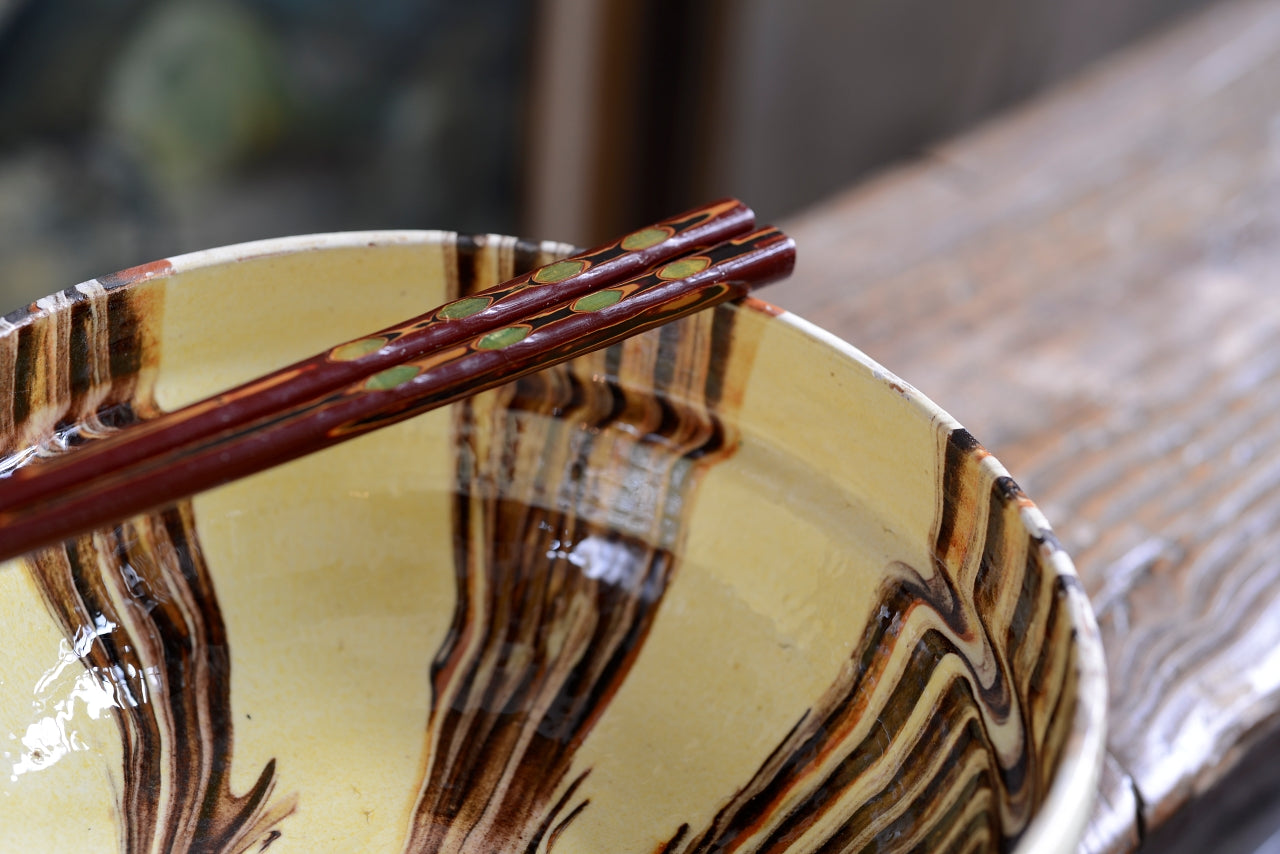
column 97, row 690
column 94, row 426
column 599, row 559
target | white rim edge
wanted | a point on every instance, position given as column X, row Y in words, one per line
column 300, row 243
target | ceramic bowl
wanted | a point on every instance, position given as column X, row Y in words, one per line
column 725, row 586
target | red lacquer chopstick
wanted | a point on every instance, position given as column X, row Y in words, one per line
column 442, row 327
column 495, row 356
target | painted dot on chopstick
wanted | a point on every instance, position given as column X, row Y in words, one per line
column 353, row 350
column 392, row 377
column 684, row 268
column 500, row 338
column 597, row 300
column 646, row 237
column 464, row 308
column 558, row 272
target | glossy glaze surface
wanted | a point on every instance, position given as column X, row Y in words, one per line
column 724, row 586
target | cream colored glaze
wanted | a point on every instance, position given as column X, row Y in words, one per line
column 758, row 612
column 342, row 626
column 853, row 422
column 332, row 631
column 228, row 323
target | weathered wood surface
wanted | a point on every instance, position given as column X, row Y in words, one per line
column 1092, row 286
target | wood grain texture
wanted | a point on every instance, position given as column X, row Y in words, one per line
column 1092, row 285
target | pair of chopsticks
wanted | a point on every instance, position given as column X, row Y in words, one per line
column 565, row 309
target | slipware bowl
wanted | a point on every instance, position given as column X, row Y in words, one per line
column 728, row 585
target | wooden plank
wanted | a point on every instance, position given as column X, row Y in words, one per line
column 1114, row 826
column 1092, row 285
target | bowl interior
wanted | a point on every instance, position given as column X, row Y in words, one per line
column 724, row 584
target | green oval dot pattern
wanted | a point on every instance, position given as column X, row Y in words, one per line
column 597, row 300
column 684, row 268
column 558, row 272
column 392, row 377
column 353, row 350
column 500, row 338
column 465, row 308
column 646, row 237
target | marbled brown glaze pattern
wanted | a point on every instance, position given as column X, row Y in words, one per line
column 77, row 362
column 991, row 646
column 136, row 601
column 560, row 571
column 156, row 641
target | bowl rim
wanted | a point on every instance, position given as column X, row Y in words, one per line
column 1060, row 821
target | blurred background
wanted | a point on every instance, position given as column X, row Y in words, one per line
column 137, row 129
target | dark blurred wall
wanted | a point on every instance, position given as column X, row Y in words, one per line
column 136, row 129
column 816, row 93
column 782, row 102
